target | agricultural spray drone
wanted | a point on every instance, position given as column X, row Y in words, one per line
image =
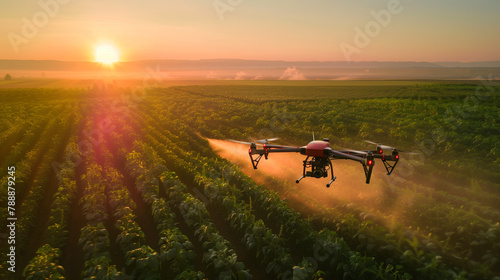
column 318, row 162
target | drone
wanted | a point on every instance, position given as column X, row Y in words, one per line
column 318, row 162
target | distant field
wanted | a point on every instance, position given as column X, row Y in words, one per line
column 114, row 183
column 287, row 91
column 78, row 83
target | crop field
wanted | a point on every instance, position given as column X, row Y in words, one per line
column 117, row 181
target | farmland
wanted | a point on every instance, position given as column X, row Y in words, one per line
column 115, row 180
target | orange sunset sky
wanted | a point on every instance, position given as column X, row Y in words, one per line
column 333, row 30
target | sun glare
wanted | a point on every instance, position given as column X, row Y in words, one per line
column 106, row 54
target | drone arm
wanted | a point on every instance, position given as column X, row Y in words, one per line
column 269, row 149
column 285, row 150
column 390, row 158
column 344, row 155
column 279, row 147
column 367, row 160
column 387, row 159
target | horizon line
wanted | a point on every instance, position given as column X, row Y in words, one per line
column 244, row 59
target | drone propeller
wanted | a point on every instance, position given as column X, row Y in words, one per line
column 239, row 142
column 380, row 145
column 266, row 141
column 355, row 151
column 409, row 153
column 389, row 147
column 258, row 142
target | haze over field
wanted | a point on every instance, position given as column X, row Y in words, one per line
column 196, row 35
column 237, row 69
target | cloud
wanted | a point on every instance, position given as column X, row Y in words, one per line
column 291, row 73
column 211, row 75
column 344, row 78
column 240, row 75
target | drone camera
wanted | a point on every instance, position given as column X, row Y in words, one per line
column 318, row 173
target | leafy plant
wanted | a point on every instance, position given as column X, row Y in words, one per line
column 44, row 265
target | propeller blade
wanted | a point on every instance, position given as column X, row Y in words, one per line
column 258, row 142
column 265, row 141
column 408, row 153
column 380, row 145
column 389, row 147
column 239, row 142
column 371, row 142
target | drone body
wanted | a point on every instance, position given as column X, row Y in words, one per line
column 319, row 156
column 316, row 148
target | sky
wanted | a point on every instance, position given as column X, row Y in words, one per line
column 293, row 30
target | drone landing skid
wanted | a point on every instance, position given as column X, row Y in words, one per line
column 368, row 172
column 389, row 167
column 255, row 161
column 331, row 181
column 253, row 150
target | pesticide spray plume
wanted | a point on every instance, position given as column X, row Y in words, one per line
column 348, row 193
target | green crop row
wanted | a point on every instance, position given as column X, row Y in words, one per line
column 176, row 251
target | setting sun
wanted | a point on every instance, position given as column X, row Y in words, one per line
column 106, row 54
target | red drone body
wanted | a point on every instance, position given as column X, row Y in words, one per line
column 317, row 148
